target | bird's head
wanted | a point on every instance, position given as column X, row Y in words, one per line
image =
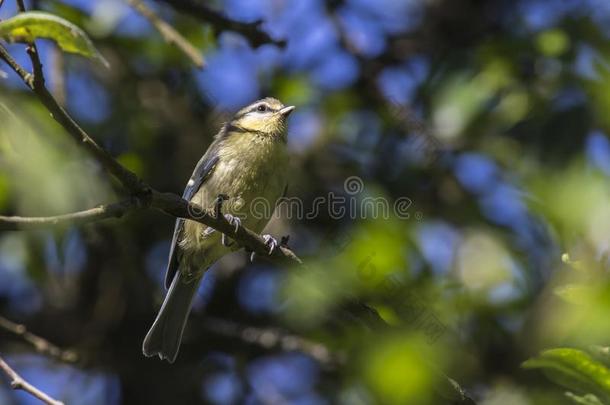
column 266, row 117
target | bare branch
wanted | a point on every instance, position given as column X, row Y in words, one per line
column 41, row 345
column 269, row 338
column 168, row 203
column 32, row 50
column 178, row 207
column 26, row 76
column 169, row 34
column 18, row 383
column 199, row 9
column 275, row 338
column 38, row 80
column 115, row 210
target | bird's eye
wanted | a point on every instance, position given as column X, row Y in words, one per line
column 262, row 108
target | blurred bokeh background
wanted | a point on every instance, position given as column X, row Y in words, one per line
column 488, row 118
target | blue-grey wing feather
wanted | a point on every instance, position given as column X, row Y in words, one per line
column 202, row 172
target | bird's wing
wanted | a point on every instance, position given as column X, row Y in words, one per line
column 202, row 172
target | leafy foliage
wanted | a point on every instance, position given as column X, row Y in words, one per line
column 30, row 25
column 573, row 369
column 489, row 118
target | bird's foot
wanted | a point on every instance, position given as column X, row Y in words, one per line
column 220, row 199
column 236, row 222
column 271, row 243
column 233, row 220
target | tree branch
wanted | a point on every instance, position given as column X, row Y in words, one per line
column 269, row 338
column 41, row 345
column 26, row 76
column 18, row 383
column 169, row 34
column 114, row 210
column 168, row 203
column 176, row 206
column 32, row 50
column 251, row 31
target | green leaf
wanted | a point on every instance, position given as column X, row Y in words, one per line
column 28, row 26
column 573, row 369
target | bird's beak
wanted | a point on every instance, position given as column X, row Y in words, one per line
column 286, row 110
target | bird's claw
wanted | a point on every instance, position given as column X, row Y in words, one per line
column 236, row 222
column 271, row 242
column 233, row 220
column 225, row 241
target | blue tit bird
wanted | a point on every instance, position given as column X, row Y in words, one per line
column 246, row 162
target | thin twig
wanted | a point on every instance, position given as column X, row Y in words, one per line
column 12, row 63
column 169, row 33
column 114, row 210
column 18, row 383
column 199, row 9
column 269, row 338
column 32, row 51
column 168, row 203
column 41, row 345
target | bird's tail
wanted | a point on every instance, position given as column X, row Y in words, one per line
column 163, row 338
